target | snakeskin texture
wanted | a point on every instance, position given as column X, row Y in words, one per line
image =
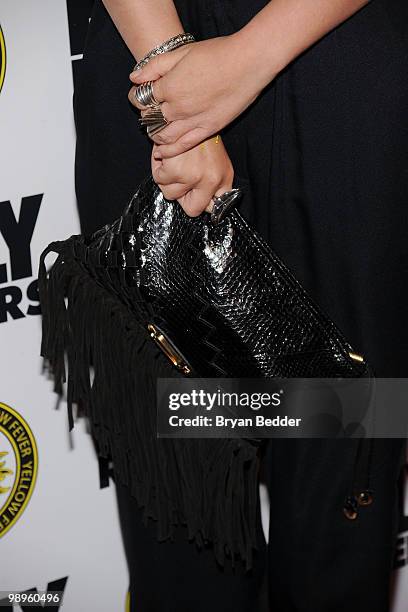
column 218, row 292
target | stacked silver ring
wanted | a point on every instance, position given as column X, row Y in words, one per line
column 154, row 120
column 144, row 94
column 223, row 204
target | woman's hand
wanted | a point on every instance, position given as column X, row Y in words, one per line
column 203, row 86
column 194, row 177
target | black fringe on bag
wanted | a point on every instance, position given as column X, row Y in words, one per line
column 210, row 485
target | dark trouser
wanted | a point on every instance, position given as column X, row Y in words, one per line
column 178, row 577
column 319, row 561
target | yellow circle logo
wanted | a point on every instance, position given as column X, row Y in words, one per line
column 2, row 58
column 18, row 466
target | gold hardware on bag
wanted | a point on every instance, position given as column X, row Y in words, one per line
column 169, row 349
column 356, row 357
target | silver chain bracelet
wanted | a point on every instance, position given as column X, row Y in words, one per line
column 168, row 45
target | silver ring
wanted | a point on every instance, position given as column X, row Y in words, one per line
column 144, row 94
column 154, row 120
column 223, row 204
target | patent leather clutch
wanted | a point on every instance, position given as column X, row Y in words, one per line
column 158, row 293
column 216, row 298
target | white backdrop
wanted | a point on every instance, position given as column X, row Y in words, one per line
column 67, row 535
column 69, row 527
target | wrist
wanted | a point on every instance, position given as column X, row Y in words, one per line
column 167, row 45
column 258, row 55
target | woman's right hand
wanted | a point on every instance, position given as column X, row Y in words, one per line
column 194, row 177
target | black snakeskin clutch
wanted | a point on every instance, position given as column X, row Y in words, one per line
column 218, row 303
column 216, row 298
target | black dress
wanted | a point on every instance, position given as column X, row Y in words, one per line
column 323, row 157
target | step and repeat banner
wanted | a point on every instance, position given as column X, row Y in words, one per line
column 58, row 530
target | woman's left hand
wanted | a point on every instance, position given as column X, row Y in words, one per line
column 194, row 177
column 202, row 87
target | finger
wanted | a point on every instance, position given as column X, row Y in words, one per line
column 165, row 109
column 158, row 66
column 158, row 86
column 172, row 171
column 218, row 192
column 197, row 200
column 158, row 94
column 155, row 68
column 133, row 100
column 162, row 176
column 186, row 142
column 155, row 164
column 173, row 191
column 175, row 130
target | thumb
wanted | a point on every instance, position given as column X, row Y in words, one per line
column 226, row 186
column 158, row 66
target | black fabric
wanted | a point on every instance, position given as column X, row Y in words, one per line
column 323, row 156
column 322, row 153
column 176, row 576
column 91, row 321
column 319, row 561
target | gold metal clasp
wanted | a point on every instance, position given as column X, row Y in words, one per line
column 169, row 349
column 356, row 357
